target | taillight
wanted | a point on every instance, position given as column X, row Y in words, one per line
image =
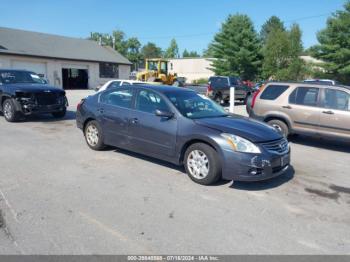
column 209, row 89
column 80, row 104
column 256, row 95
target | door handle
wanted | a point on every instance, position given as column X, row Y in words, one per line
column 287, row 107
column 134, row 121
column 328, row 112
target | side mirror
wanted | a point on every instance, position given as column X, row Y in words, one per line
column 164, row 114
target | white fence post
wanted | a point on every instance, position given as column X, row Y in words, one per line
column 232, row 99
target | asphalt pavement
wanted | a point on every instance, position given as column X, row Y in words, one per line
column 59, row 197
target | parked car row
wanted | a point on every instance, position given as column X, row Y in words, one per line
column 183, row 127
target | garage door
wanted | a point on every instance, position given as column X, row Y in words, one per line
column 39, row 68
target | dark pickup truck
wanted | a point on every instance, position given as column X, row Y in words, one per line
column 24, row 93
column 219, row 89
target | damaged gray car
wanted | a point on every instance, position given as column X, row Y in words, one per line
column 180, row 126
column 24, row 93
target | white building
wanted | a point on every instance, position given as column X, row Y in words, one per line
column 66, row 62
column 191, row 68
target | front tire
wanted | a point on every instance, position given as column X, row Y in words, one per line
column 94, row 135
column 202, row 164
column 9, row 111
column 280, row 126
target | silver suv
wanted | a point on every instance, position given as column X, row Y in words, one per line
column 295, row 108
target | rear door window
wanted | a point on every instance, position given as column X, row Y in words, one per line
column 307, row 96
column 235, row 81
column 121, row 97
column 336, row 99
column 272, row 92
column 148, row 101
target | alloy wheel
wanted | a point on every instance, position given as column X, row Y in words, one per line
column 92, row 135
column 278, row 128
column 8, row 110
column 198, row 164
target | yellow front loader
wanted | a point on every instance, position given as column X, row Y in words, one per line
column 157, row 71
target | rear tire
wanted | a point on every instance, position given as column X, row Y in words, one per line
column 280, row 126
column 9, row 111
column 218, row 99
column 202, row 164
column 246, row 99
column 94, row 135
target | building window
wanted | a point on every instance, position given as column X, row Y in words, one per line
column 109, row 70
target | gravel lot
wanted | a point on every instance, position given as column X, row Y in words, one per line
column 59, row 197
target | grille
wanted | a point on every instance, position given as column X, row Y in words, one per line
column 46, row 99
column 279, row 146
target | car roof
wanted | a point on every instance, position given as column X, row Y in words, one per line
column 224, row 77
column 165, row 88
column 307, row 84
column 13, row 70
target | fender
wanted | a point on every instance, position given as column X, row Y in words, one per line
column 279, row 115
column 181, row 147
column 3, row 96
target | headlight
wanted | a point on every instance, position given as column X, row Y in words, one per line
column 240, row 144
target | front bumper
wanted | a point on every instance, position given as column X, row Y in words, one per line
column 30, row 107
column 254, row 167
column 42, row 109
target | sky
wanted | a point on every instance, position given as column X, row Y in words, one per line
column 192, row 23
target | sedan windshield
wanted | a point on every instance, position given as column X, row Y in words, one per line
column 16, row 77
column 194, row 106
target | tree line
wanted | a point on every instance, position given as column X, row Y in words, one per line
column 134, row 51
column 273, row 53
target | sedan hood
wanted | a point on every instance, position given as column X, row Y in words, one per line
column 242, row 126
column 35, row 88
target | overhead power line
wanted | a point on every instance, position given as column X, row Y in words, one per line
column 307, row 17
column 211, row 33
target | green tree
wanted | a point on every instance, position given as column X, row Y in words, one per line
column 236, row 48
column 185, row 53
column 151, row 50
column 101, row 38
column 133, row 51
column 296, row 45
column 334, row 45
column 190, row 54
column 282, row 52
column 120, row 43
column 273, row 23
column 173, row 50
column 116, row 40
column 209, row 51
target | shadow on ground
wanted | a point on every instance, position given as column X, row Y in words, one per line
column 267, row 184
column 252, row 186
column 47, row 118
column 324, row 143
column 147, row 158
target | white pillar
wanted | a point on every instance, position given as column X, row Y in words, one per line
column 232, row 99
